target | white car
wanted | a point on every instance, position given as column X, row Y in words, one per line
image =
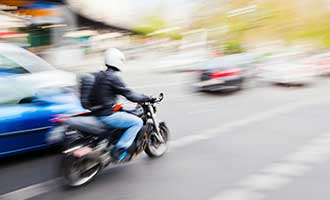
column 287, row 73
column 22, row 65
column 321, row 63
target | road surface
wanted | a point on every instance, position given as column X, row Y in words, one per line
column 265, row 142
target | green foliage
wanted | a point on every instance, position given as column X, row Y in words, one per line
column 232, row 47
column 152, row 24
column 326, row 41
column 175, row 36
column 315, row 28
column 274, row 19
column 144, row 30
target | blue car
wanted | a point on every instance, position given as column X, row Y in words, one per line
column 16, row 60
column 25, row 116
column 26, row 66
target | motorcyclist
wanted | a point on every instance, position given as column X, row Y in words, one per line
column 108, row 86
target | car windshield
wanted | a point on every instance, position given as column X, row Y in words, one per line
column 285, row 58
column 20, row 58
column 229, row 61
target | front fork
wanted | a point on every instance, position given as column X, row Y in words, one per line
column 155, row 122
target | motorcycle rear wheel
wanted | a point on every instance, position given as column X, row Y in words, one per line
column 74, row 173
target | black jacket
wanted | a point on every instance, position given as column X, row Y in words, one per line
column 108, row 85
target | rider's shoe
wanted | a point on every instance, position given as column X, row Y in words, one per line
column 119, row 154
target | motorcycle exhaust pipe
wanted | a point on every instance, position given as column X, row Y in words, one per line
column 100, row 153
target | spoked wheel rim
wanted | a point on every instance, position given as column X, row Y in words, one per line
column 76, row 176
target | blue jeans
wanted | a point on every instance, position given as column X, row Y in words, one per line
column 123, row 120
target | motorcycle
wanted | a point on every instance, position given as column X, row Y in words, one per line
column 88, row 142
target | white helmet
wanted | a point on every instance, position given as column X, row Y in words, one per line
column 114, row 58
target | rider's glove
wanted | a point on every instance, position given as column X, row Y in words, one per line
column 153, row 99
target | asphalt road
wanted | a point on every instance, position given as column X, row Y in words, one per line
column 264, row 142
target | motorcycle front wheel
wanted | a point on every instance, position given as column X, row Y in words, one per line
column 79, row 171
column 154, row 148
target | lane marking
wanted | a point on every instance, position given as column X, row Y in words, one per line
column 264, row 182
column 282, row 173
column 287, row 169
column 41, row 188
column 307, row 157
column 32, row 191
column 211, row 133
column 238, row 194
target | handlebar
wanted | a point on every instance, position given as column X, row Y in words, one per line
column 159, row 98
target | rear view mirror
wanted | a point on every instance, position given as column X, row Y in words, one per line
column 33, row 99
column 27, row 100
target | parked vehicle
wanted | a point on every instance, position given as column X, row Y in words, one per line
column 287, row 72
column 321, row 63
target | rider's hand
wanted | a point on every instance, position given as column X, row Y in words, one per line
column 153, row 99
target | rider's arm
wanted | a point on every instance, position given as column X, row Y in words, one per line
column 119, row 86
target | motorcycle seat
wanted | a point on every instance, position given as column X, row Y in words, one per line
column 88, row 124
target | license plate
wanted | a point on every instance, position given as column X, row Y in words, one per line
column 209, row 82
column 82, row 152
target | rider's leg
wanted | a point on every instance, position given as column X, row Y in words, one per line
column 123, row 120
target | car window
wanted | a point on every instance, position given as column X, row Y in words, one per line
column 29, row 61
column 12, row 92
column 227, row 62
column 8, row 66
column 217, row 63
